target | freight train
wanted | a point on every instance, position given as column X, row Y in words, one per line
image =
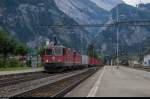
column 60, row 58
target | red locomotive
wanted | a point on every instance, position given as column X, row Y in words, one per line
column 60, row 58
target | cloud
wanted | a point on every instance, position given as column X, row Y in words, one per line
column 134, row 2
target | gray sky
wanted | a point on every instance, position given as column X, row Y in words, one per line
column 134, row 2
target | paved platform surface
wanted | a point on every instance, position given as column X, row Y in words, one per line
column 113, row 82
column 21, row 71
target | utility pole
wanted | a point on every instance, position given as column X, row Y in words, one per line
column 137, row 29
column 117, row 39
column 83, row 12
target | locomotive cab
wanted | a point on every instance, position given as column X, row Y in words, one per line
column 53, row 58
column 53, row 55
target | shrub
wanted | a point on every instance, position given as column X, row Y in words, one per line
column 28, row 63
column 1, row 63
column 13, row 63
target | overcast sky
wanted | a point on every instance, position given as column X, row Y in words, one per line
column 134, row 2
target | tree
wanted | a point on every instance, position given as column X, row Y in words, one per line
column 3, row 39
column 13, row 45
column 22, row 49
column 91, row 50
column 41, row 51
column 10, row 46
column 6, row 46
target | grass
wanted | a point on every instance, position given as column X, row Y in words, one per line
column 15, row 68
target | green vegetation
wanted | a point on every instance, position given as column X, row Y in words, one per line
column 14, row 68
column 93, row 53
column 101, row 56
column 9, row 49
column 41, row 51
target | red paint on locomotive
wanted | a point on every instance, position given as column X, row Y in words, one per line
column 53, row 55
column 62, row 55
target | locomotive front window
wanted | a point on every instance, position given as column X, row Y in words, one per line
column 64, row 51
column 58, row 51
column 48, row 52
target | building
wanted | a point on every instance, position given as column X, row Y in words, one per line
column 33, row 59
column 146, row 61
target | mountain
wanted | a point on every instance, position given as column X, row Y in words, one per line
column 31, row 20
column 84, row 12
column 107, row 4
column 104, row 12
column 131, row 38
column 28, row 20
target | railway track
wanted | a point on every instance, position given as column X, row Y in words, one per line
column 59, row 87
column 15, row 79
column 18, row 75
column 7, row 80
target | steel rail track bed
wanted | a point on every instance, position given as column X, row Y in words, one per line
column 59, row 88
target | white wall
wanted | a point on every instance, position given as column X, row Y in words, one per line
column 146, row 60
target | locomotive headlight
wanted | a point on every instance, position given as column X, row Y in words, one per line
column 47, row 61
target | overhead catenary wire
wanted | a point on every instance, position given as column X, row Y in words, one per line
column 114, row 24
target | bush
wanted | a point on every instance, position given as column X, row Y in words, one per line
column 13, row 63
column 28, row 63
column 1, row 63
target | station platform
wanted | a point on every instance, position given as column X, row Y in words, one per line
column 21, row 71
column 112, row 82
